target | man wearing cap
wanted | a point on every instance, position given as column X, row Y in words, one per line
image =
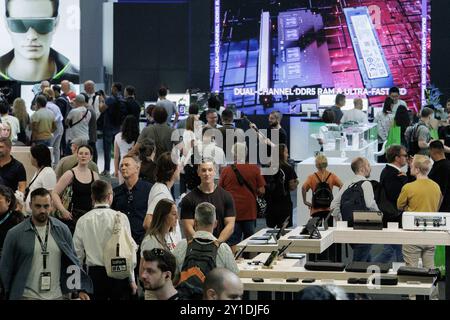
column 77, row 120
column 31, row 25
column 71, row 161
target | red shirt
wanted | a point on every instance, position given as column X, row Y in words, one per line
column 244, row 199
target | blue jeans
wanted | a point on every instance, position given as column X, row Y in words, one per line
column 108, row 139
column 244, row 228
column 47, row 142
column 361, row 252
column 390, row 253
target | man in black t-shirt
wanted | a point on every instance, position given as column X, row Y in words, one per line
column 12, row 172
column 440, row 173
column 207, row 191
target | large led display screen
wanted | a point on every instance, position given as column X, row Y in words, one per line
column 40, row 40
column 292, row 54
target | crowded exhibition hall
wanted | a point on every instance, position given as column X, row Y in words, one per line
column 256, row 150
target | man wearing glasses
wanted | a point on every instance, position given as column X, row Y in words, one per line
column 392, row 178
column 31, row 25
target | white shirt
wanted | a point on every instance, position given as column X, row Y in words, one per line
column 150, row 242
column 31, row 290
column 14, row 124
column 124, row 147
column 80, row 130
column 96, row 105
column 354, row 115
column 158, row 192
column 211, row 150
column 93, row 231
column 46, row 179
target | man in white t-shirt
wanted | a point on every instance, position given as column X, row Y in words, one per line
column 208, row 148
column 94, row 99
column 356, row 114
column 78, row 120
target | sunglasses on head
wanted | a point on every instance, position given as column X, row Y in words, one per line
column 158, row 252
column 40, row 25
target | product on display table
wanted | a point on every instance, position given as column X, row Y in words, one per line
column 426, row 221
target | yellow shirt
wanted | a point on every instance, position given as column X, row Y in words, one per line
column 422, row 195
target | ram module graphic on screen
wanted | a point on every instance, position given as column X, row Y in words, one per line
column 372, row 63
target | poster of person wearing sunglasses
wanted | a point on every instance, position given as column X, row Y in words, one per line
column 34, row 34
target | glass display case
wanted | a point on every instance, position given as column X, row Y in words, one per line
column 355, row 137
column 351, row 141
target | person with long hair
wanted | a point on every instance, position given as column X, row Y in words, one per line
column 5, row 130
column 148, row 164
column 165, row 220
column 57, row 135
column 124, row 141
column 403, row 121
column 19, row 111
column 81, row 179
column 384, row 122
column 158, row 235
column 278, row 189
column 44, row 177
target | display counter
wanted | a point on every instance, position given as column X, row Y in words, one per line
column 339, row 166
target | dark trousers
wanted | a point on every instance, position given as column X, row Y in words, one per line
column 106, row 288
column 108, row 139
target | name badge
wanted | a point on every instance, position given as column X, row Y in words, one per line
column 45, row 282
column 118, row 265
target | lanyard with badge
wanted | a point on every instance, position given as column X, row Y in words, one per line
column 45, row 278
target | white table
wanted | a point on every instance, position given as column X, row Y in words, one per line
column 275, row 279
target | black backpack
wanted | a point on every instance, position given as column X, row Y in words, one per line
column 323, row 194
column 352, row 200
column 200, row 259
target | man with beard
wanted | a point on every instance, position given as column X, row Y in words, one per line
column 275, row 118
column 38, row 257
column 158, row 272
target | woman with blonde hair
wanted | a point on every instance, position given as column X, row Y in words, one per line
column 19, row 111
column 321, row 184
column 59, row 118
column 5, row 130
